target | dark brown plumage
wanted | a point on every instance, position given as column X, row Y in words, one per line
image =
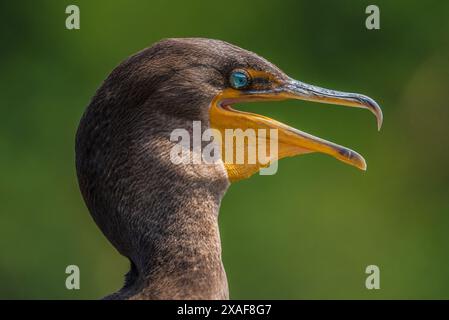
column 162, row 217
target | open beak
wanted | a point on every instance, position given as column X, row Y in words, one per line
column 291, row 141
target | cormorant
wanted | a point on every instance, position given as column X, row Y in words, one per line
column 161, row 215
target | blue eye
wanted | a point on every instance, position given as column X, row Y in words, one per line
column 239, row 79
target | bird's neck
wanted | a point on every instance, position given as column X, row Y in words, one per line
column 176, row 249
column 182, row 255
column 185, row 259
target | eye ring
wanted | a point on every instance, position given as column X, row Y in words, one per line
column 239, row 79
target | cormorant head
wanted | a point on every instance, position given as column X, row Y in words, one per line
column 203, row 79
column 123, row 143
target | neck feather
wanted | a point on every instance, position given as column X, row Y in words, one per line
column 170, row 228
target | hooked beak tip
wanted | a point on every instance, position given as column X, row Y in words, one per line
column 374, row 108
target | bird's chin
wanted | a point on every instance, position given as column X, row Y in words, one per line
column 254, row 128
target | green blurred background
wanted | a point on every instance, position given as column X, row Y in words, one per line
column 307, row 232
